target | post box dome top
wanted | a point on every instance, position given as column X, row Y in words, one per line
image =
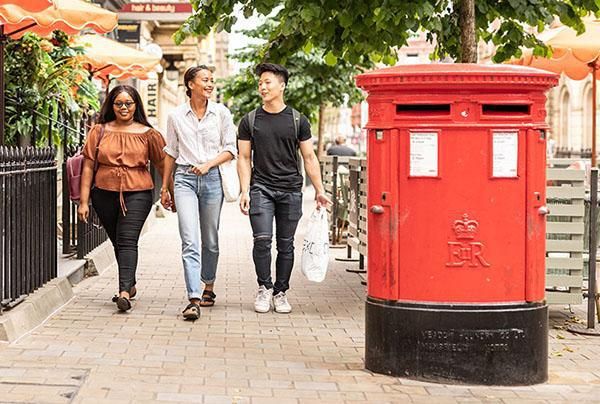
column 457, row 75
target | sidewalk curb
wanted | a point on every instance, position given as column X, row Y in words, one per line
column 41, row 304
column 35, row 309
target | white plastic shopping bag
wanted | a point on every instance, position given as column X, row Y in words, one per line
column 315, row 252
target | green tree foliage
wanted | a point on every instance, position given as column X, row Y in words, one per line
column 42, row 77
column 357, row 30
column 312, row 83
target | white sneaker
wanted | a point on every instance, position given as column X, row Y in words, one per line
column 281, row 303
column 262, row 304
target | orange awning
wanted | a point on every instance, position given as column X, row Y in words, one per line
column 70, row 16
column 574, row 55
column 566, row 64
column 30, row 5
column 109, row 57
column 138, row 74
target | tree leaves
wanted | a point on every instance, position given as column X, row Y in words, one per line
column 361, row 30
column 330, row 59
column 316, row 77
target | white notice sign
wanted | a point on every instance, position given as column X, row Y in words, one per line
column 505, row 150
column 423, row 154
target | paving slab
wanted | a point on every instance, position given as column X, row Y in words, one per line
column 88, row 352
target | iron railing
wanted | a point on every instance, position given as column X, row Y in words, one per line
column 77, row 235
column 27, row 221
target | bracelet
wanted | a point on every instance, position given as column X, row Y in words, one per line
column 163, row 190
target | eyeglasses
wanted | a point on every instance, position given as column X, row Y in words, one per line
column 127, row 104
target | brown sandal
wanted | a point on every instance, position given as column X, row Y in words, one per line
column 208, row 298
column 191, row 312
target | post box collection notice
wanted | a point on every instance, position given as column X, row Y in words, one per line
column 505, row 152
column 423, row 154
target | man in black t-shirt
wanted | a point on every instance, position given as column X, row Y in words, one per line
column 271, row 182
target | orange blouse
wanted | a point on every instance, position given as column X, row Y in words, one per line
column 123, row 158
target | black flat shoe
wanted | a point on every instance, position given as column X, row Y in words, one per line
column 123, row 303
column 132, row 293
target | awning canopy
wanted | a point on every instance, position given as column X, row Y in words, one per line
column 108, row 57
column 70, row 16
column 29, row 5
column 574, row 55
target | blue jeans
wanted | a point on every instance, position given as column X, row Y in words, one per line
column 286, row 209
column 199, row 200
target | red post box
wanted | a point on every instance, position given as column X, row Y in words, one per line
column 456, row 223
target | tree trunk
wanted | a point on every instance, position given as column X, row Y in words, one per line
column 468, row 38
column 321, row 131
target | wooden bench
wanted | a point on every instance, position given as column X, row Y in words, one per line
column 357, row 216
column 565, row 229
column 334, row 188
column 565, row 235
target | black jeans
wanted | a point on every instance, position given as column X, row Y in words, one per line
column 123, row 230
column 286, row 208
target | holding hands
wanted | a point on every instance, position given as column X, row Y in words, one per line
column 167, row 200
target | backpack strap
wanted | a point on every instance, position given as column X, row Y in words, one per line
column 296, row 116
column 96, row 155
column 251, row 119
column 98, row 148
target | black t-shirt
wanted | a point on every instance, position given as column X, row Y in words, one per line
column 275, row 148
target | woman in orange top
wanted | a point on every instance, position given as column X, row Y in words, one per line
column 122, row 143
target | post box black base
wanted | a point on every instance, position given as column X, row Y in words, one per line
column 458, row 344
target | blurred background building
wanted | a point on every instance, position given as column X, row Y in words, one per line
column 148, row 25
column 349, row 120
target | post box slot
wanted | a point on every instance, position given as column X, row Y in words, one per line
column 505, row 109
column 423, row 109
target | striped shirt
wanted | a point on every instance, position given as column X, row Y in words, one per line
column 194, row 141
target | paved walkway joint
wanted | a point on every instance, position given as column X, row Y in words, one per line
column 90, row 353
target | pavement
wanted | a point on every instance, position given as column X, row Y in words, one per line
column 87, row 352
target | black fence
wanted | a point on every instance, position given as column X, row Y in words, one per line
column 77, row 236
column 28, row 208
